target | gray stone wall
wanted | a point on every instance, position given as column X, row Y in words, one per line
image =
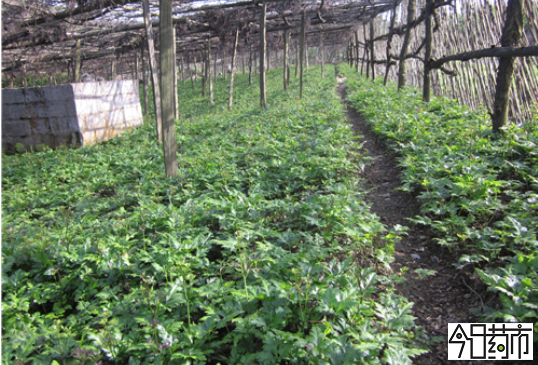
column 72, row 114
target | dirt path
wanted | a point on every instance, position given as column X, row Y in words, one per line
column 444, row 298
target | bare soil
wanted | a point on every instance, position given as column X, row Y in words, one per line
column 447, row 297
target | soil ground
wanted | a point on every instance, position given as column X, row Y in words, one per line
column 447, row 297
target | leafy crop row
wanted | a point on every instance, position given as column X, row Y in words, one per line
column 248, row 256
column 479, row 192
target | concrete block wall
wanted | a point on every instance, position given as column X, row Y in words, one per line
column 71, row 114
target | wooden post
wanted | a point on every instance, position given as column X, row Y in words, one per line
column 112, row 67
column 167, row 61
column 224, row 70
column 243, row 62
column 195, row 70
column 153, row 70
column 250, row 65
column 365, row 52
column 137, row 74
column 215, row 70
column 372, row 48
column 402, row 77
column 297, row 47
column 174, row 50
column 305, row 49
column 301, row 54
column 231, row 96
column 208, row 71
column 322, row 55
column 77, row 58
column 357, row 50
column 24, row 75
column 182, row 68
column 192, row 75
column 512, row 31
column 389, row 41
column 204, row 73
column 263, row 16
column 426, row 88
column 285, row 64
column 144, row 79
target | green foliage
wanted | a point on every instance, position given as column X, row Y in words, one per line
column 479, row 193
column 234, row 261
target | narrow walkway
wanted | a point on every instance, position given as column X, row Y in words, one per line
column 444, row 298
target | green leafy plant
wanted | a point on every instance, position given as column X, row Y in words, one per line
column 245, row 257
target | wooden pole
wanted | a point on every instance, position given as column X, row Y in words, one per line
column 321, row 54
column 512, row 31
column 402, row 77
column 24, row 75
column 78, row 56
column 193, row 75
column 250, row 66
column 153, row 70
column 137, row 74
column 144, row 79
column 231, row 96
column 389, row 41
column 204, row 73
column 301, row 54
column 372, row 48
column 365, row 56
column 215, row 70
column 297, row 47
column 263, row 30
column 112, row 67
column 182, row 68
column 357, row 50
column 285, row 64
column 426, row 88
column 208, row 71
column 167, row 61
column 174, row 50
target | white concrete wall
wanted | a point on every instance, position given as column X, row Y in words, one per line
column 72, row 114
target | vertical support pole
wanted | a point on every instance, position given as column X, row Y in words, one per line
column 372, row 48
column 153, row 70
column 208, row 71
column 321, row 54
column 389, row 41
column 357, row 50
column 77, row 58
column 426, row 87
column 231, row 96
column 204, row 73
column 174, row 50
column 297, row 47
column 512, row 31
column 195, row 70
column 402, row 77
column 285, row 64
column 215, row 71
column 167, row 61
column 250, row 65
column 192, row 75
column 182, row 68
column 144, row 79
column 301, row 55
column 137, row 74
column 224, row 70
column 24, row 75
column 263, row 16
